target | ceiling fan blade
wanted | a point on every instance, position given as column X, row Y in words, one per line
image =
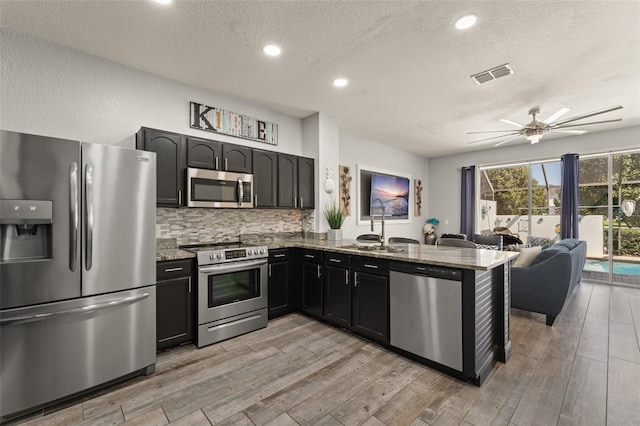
column 491, row 131
column 556, row 115
column 507, row 140
column 513, row 123
column 591, row 114
column 573, row 132
column 494, row 137
column 585, row 124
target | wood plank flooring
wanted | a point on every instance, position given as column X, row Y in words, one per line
column 585, row 370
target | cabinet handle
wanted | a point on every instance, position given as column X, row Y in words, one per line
column 295, row 202
column 279, row 255
column 216, row 166
column 173, row 269
column 179, row 196
column 255, row 200
column 301, row 203
column 189, row 285
column 269, row 271
column 319, row 271
column 355, row 279
column 346, row 276
column 366, row 265
column 225, row 164
column 310, row 256
column 421, row 268
column 335, row 260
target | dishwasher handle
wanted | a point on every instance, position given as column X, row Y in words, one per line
column 428, row 270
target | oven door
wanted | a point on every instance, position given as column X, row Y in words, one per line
column 231, row 289
column 211, row 188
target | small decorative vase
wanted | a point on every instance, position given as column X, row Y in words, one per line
column 334, row 235
column 430, row 238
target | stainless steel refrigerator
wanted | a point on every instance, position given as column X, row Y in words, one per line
column 77, row 267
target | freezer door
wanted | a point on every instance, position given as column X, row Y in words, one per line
column 54, row 350
column 38, row 172
column 119, row 216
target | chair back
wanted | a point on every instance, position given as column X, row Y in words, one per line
column 403, row 240
column 368, row 237
column 456, row 242
column 491, row 242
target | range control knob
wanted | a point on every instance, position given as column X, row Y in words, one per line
column 219, row 256
column 250, row 252
column 262, row 251
column 211, row 256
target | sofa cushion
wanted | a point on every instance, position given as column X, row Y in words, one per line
column 549, row 253
column 527, row 256
column 569, row 243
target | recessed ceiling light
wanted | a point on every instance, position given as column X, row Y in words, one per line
column 272, row 50
column 163, row 1
column 466, row 21
column 340, row 82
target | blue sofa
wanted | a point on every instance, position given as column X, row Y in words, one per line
column 550, row 280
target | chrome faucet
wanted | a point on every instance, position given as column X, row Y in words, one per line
column 382, row 239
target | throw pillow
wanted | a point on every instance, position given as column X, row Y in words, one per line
column 527, row 256
column 539, row 241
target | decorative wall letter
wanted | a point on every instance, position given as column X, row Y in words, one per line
column 418, row 186
column 345, row 190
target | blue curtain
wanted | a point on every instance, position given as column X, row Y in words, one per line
column 569, row 200
column 468, row 201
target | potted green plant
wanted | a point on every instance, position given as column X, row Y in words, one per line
column 335, row 218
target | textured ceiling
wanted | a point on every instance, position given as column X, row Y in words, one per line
column 408, row 67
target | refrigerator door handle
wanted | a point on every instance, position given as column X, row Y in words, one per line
column 73, row 216
column 88, row 182
column 21, row 319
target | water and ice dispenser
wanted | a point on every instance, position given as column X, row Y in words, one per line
column 25, row 230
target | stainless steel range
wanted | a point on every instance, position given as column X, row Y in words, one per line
column 232, row 290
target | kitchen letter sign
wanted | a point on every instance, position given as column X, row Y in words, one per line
column 218, row 120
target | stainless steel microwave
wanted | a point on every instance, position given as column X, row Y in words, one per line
column 212, row 188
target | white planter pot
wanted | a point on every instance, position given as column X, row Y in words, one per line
column 334, row 235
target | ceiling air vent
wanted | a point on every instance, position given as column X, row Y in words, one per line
column 492, row 74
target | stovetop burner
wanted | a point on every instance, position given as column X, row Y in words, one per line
column 194, row 248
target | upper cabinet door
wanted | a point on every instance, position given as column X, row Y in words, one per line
column 204, row 154
column 236, row 159
column 265, row 178
column 170, row 162
column 305, row 183
column 287, row 180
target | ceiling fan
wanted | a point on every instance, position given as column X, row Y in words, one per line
column 536, row 129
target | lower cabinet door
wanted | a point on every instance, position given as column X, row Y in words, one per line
column 311, row 298
column 370, row 316
column 279, row 289
column 174, row 322
column 337, row 306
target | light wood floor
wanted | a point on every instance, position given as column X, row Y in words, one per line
column 585, row 370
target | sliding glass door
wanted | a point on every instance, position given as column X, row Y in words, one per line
column 609, row 192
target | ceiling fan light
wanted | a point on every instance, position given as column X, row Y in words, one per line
column 534, row 135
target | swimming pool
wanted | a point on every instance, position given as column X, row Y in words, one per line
column 618, row 267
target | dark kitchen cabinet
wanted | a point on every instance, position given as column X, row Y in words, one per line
column 337, row 289
column 287, row 180
column 174, row 303
column 310, row 267
column 236, row 158
column 215, row 155
column 203, row 153
column 306, row 173
column 265, row 178
column 370, row 307
column 280, row 291
column 170, row 162
column 295, row 181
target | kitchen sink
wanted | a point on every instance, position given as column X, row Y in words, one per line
column 384, row 249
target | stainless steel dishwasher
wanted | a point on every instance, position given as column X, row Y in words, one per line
column 426, row 312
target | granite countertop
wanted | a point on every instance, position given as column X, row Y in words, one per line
column 454, row 257
column 167, row 249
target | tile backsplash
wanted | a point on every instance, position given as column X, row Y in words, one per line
column 193, row 225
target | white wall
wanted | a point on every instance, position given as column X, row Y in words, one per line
column 358, row 151
column 444, row 172
column 56, row 91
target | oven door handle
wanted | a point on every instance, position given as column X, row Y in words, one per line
column 236, row 266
